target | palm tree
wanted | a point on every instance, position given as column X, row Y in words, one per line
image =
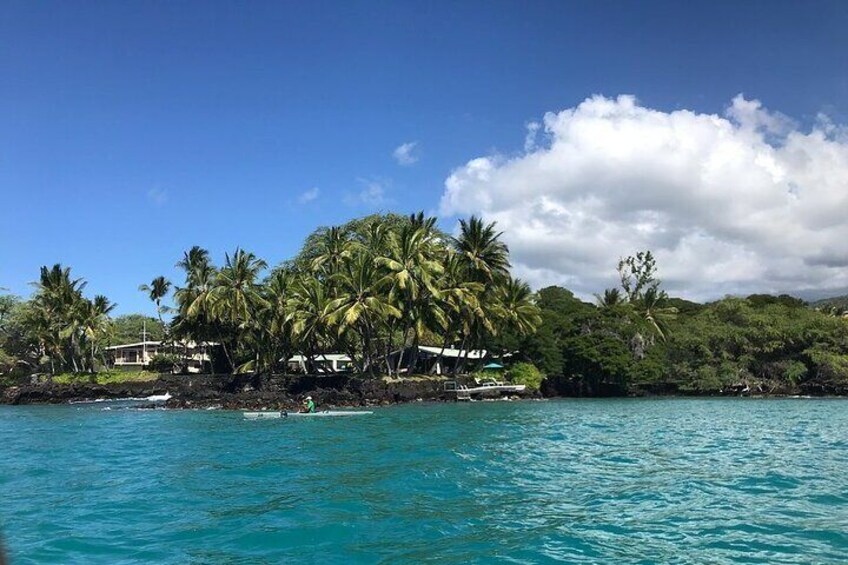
column 410, row 260
column 612, row 297
column 194, row 319
column 334, row 248
column 236, row 298
column 157, row 290
column 375, row 238
column 361, row 304
column 307, row 314
column 517, row 310
column 652, row 306
column 193, row 260
column 459, row 299
column 274, row 329
column 486, row 260
column 485, row 255
column 57, row 301
column 96, row 325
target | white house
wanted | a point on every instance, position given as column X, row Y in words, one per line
column 138, row 355
column 435, row 360
column 322, row 363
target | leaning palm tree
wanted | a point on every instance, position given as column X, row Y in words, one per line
column 156, row 291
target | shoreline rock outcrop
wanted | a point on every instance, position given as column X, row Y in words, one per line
column 249, row 391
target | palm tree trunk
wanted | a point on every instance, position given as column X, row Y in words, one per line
column 462, row 358
column 227, row 353
column 440, row 358
column 390, row 346
column 366, row 347
column 413, row 361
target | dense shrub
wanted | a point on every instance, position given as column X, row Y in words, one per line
column 163, row 363
column 526, row 374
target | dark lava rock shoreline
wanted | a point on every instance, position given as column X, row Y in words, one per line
column 285, row 392
column 242, row 391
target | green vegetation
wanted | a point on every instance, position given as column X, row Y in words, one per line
column 58, row 328
column 366, row 288
column 526, row 374
column 133, row 328
column 106, row 377
column 759, row 344
column 164, row 363
column 379, row 283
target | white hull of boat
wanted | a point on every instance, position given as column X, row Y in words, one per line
column 325, row 413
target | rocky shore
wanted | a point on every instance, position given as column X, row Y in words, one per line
column 242, row 391
column 278, row 392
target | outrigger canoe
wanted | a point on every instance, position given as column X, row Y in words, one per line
column 324, row 413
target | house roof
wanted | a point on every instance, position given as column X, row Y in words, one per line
column 190, row 344
column 451, row 352
column 136, row 344
column 321, row 357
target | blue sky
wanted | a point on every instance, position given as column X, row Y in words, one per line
column 132, row 131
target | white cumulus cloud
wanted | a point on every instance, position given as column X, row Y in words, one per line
column 309, row 195
column 372, row 193
column 404, row 153
column 742, row 202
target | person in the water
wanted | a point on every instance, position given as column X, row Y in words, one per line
column 308, row 405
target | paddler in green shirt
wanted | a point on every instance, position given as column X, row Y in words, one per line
column 308, row 405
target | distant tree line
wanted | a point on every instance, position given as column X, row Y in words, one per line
column 760, row 344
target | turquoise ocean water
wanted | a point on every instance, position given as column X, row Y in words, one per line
column 580, row 481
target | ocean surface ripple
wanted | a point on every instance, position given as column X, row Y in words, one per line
column 572, row 481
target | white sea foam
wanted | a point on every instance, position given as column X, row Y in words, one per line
column 98, row 400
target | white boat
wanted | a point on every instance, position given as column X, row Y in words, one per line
column 487, row 388
column 492, row 386
column 323, row 413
